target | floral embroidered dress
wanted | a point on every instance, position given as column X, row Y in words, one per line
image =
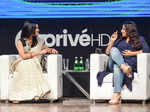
column 28, row 80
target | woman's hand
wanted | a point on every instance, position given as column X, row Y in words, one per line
column 52, row 51
column 127, row 53
column 131, row 53
column 44, row 51
column 114, row 36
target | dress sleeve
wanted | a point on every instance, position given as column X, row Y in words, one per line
column 116, row 43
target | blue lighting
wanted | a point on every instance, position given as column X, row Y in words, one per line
column 118, row 8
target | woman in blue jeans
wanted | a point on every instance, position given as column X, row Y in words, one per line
column 123, row 56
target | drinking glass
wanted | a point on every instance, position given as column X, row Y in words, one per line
column 65, row 63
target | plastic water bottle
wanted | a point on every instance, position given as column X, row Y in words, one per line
column 81, row 65
column 76, row 64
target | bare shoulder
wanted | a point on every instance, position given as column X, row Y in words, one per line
column 19, row 43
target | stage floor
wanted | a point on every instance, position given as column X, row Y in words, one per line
column 76, row 107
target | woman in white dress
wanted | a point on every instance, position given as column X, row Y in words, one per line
column 28, row 82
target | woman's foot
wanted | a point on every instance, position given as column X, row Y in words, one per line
column 126, row 70
column 116, row 99
column 45, row 95
column 15, row 102
column 36, row 98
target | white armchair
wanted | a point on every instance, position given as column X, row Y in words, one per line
column 53, row 75
column 140, row 84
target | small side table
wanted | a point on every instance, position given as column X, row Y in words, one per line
column 67, row 73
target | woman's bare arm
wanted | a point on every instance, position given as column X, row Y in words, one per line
column 111, row 43
column 131, row 53
column 28, row 55
column 50, row 50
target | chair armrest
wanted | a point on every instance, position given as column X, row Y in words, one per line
column 143, row 64
column 143, row 71
column 98, row 62
column 5, row 62
column 54, row 75
column 54, row 64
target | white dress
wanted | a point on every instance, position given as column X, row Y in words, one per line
column 28, row 80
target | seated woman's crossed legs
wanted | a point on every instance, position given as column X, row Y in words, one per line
column 117, row 57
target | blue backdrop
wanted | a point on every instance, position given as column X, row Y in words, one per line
column 80, row 9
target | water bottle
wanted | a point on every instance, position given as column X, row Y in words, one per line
column 81, row 65
column 76, row 64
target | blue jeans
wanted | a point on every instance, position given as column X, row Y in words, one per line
column 115, row 60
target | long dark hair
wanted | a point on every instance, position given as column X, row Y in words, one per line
column 132, row 32
column 27, row 30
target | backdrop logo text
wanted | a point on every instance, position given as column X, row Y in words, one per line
column 84, row 39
